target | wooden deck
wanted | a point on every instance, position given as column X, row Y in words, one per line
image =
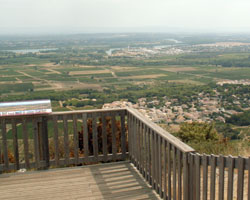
column 118, row 180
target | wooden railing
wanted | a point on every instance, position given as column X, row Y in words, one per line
column 174, row 169
column 62, row 139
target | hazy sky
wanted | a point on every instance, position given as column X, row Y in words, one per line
column 76, row 16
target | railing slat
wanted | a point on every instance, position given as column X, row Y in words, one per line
column 36, row 143
column 134, row 145
column 205, row 176
column 26, row 144
column 197, row 177
column 185, row 176
column 137, row 144
column 248, row 170
column 221, row 177
column 66, row 139
column 76, row 140
column 153, row 160
column 149, row 156
column 56, row 143
column 45, row 141
column 191, row 176
column 123, row 134
column 104, row 137
column 140, row 146
column 169, row 171
column 240, row 183
column 146, row 152
column 165, row 169
column 179, row 174
column 15, row 144
column 113, row 125
column 5, row 145
column 156, row 164
column 230, row 161
column 95, row 137
column 212, row 180
column 160, row 164
column 174, row 172
column 85, row 137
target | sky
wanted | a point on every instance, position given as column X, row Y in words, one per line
column 84, row 16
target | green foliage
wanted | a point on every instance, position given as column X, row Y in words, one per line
column 242, row 119
column 197, row 132
column 227, row 131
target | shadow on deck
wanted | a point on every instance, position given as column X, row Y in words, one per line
column 118, row 180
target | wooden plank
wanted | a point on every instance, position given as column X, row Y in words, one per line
column 230, row 161
column 76, row 140
column 1, row 145
column 153, row 160
column 248, row 169
column 179, row 158
column 143, row 150
column 5, row 145
column 95, row 137
column 185, row 177
column 174, row 171
column 164, row 134
column 221, row 177
column 139, row 146
column 45, row 140
column 205, row 175
column 85, row 137
column 133, row 146
column 66, row 139
column 104, row 137
column 123, row 134
column 81, row 112
column 56, row 142
column 146, row 153
column 113, row 125
column 128, row 133
column 240, row 182
column 15, row 144
column 169, row 171
column 191, row 176
column 197, row 177
column 131, row 136
column 36, row 143
column 156, row 164
column 212, row 177
column 165, row 169
column 160, row 164
column 26, row 144
column 149, row 156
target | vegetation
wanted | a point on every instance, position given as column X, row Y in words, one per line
column 242, row 119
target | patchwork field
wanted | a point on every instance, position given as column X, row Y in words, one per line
column 49, row 76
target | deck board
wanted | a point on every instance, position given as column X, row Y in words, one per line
column 118, row 180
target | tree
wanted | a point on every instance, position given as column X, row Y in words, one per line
column 197, row 132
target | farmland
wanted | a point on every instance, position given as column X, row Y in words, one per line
column 40, row 66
